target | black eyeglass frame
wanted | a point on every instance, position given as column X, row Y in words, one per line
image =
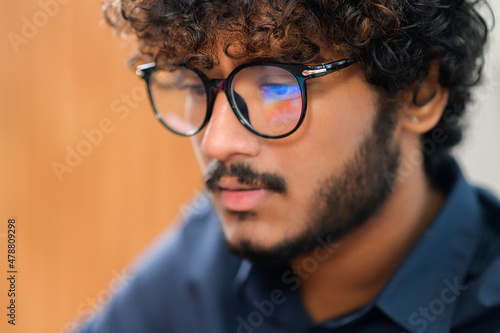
column 302, row 73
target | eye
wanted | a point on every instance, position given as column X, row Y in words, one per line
column 196, row 90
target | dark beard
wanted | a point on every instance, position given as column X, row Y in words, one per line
column 342, row 202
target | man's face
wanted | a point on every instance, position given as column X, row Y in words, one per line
column 275, row 197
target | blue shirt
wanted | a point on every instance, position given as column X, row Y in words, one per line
column 188, row 282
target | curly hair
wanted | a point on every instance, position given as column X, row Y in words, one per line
column 395, row 40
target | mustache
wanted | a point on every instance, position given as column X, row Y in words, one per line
column 245, row 175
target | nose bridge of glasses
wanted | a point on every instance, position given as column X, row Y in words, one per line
column 214, row 86
column 219, row 84
column 240, row 104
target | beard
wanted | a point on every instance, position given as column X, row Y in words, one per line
column 340, row 204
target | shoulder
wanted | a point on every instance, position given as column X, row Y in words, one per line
column 479, row 307
column 173, row 278
column 491, row 208
column 488, row 251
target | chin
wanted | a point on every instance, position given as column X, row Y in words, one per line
column 263, row 247
column 252, row 235
column 255, row 252
column 255, row 243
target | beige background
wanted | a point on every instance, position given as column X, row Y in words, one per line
column 64, row 79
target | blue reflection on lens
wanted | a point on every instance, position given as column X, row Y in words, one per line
column 277, row 93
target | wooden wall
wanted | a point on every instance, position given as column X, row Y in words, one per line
column 83, row 207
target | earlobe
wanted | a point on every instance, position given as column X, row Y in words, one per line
column 425, row 103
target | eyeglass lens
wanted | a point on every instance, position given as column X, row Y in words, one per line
column 180, row 99
column 268, row 98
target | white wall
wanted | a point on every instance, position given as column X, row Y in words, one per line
column 479, row 153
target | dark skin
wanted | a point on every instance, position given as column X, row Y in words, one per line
column 363, row 261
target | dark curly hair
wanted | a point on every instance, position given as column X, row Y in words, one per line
column 395, row 40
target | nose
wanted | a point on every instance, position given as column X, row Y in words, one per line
column 225, row 138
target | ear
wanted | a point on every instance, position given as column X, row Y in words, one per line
column 424, row 102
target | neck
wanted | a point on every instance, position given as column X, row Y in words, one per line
column 360, row 265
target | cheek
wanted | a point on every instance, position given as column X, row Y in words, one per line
column 337, row 121
column 344, row 113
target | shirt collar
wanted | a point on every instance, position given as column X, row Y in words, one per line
column 424, row 290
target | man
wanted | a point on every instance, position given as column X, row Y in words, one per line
column 332, row 204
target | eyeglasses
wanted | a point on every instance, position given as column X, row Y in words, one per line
column 269, row 99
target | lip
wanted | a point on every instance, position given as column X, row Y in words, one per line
column 243, row 200
column 241, row 197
